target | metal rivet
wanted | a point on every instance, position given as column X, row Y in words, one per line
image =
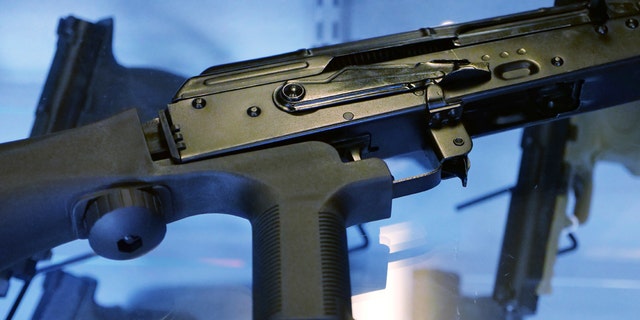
column 458, row 141
column 557, row 61
column 199, row 103
column 511, row 307
column 485, row 57
column 504, row 54
column 521, row 51
column 254, row 111
column 602, row 29
column 348, row 116
column 631, row 23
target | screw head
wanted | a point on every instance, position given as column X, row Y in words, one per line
column 631, row 23
column 198, row 103
column 124, row 223
column 292, row 92
column 557, row 61
column 254, row 111
column 458, row 141
column 129, row 243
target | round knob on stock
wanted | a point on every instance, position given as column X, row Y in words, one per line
column 124, row 223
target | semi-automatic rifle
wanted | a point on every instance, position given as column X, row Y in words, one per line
column 294, row 143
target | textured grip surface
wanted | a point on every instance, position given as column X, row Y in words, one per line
column 301, row 271
column 335, row 264
column 267, row 265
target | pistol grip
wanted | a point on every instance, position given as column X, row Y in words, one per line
column 300, row 263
